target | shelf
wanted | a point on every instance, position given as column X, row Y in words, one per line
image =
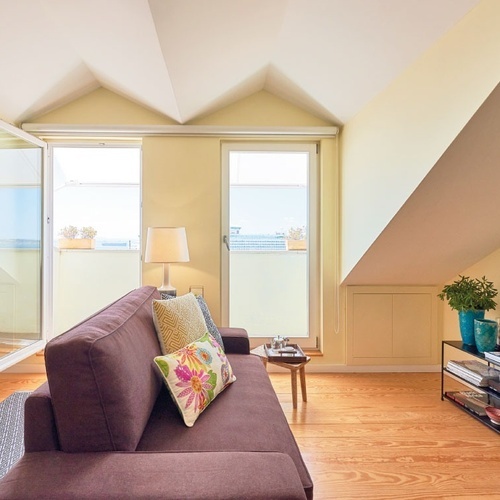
column 470, row 349
column 484, row 420
column 486, row 390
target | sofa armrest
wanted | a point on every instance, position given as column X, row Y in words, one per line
column 40, row 432
column 235, row 340
column 116, row 475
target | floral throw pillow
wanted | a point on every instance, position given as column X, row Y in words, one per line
column 195, row 375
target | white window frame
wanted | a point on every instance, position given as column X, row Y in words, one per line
column 46, row 258
column 313, row 245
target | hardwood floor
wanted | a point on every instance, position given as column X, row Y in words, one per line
column 12, row 382
column 389, row 436
column 378, row 437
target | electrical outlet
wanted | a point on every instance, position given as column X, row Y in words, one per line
column 197, row 290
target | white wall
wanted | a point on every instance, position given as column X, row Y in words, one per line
column 389, row 147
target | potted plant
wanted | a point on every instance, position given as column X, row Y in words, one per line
column 70, row 240
column 87, row 236
column 69, row 232
column 296, row 238
column 471, row 297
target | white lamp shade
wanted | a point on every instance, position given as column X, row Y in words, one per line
column 166, row 244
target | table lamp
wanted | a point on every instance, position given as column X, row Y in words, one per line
column 166, row 245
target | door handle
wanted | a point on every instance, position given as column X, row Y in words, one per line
column 226, row 242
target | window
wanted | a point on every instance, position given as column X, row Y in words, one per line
column 270, row 273
column 96, row 190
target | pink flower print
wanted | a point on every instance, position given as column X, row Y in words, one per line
column 188, row 355
column 214, row 343
column 197, row 387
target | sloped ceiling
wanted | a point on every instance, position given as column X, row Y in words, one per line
column 186, row 58
column 447, row 224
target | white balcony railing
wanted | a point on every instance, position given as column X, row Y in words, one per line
column 268, row 293
column 88, row 280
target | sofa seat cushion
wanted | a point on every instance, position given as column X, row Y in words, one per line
column 102, row 378
column 247, row 416
column 152, row 476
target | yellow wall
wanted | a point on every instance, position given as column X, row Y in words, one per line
column 103, row 107
column 395, row 140
column 182, row 186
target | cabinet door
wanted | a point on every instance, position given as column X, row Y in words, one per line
column 391, row 325
column 412, row 325
column 372, row 324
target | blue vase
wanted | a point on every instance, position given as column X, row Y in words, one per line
column 485, row 334
column 466, row 321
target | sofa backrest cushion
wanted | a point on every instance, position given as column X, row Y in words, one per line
column 102, row 377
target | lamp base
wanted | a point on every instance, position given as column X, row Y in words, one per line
column 168, row 291
column 166, row 287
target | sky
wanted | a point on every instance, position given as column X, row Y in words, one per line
column 267, row 210
column 268, row 191
column 100, row 187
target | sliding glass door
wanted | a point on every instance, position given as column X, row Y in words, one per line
column 21, row 249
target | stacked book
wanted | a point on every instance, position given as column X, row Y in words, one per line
column 493, row 356
column 472, row 400
column 473, row 371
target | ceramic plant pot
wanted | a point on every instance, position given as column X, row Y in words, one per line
column 466, row 321
column 485, row 334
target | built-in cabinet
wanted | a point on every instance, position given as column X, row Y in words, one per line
column 392, row 325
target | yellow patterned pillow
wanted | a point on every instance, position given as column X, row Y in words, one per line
column 178, row 322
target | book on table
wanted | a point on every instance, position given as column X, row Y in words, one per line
column 473, row 371
column 493, row 356
column 290, row 354
column 472, row 400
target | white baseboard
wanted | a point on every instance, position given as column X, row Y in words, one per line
column 323, row 368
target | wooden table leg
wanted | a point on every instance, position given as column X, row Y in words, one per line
column 303, row 389
column 293, row 374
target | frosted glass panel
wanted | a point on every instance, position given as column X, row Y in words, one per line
column 20, row 243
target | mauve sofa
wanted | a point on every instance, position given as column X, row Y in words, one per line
column 104, row 426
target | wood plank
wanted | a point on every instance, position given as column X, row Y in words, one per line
column 12, row 382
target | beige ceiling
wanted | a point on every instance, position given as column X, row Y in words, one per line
column 186, row 58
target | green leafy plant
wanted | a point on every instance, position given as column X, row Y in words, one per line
column 470, row 294
column 88, row 232
column 69, row 232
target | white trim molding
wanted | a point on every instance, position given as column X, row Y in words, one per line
column 47, row 130
column 328, row 368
